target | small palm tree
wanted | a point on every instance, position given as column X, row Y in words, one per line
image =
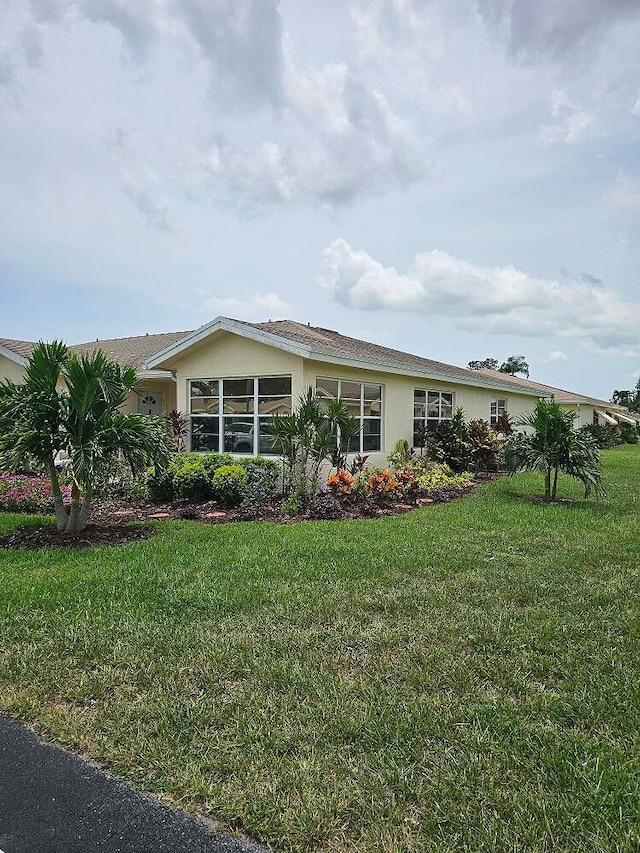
column 552, row 447
column 72, row 403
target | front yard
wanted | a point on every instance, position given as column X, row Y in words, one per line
column 462, row 677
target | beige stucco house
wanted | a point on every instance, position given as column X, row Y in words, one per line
column 229, row 377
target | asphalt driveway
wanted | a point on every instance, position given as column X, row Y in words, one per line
column 54, row 802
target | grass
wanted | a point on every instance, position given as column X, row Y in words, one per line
column 462, row 678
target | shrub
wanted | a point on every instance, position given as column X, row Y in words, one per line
column 381, row 484
column 229, row 485
column 160, row 484
column 449, row 443
column 324, row 508
column 192, row 480
column 483, row 445
column 117, row 480
column 341, row 484
column 290, row 506
column 629, row 433
column 432, row 474
column 19, row 493
column 604, row 436
column 262, row 477
column 191, row 476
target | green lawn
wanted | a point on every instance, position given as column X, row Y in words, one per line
column 464, row 677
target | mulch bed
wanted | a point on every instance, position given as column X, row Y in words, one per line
column 110, row 520
column 32, row 538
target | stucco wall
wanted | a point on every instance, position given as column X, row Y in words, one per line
column 10, row 370
column 397, row 395
column 167, row 387
column 228, row 356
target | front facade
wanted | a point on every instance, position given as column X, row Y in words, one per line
column 231, row 377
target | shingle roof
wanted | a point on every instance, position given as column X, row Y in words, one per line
column 329, row 342
column 134, row 350
column 21, row 348
column 560, row 394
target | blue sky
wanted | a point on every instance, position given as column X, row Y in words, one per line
column 457, row 179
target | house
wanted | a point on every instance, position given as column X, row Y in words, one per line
column 588, row 410
column 230, row 377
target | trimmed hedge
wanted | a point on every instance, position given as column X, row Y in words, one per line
column 215, row 476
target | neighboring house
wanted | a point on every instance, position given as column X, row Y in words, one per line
column 230, row 377
column 588, row 410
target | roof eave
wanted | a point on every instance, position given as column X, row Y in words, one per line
column 362, row 364
column 13, row 356
column 225, row 324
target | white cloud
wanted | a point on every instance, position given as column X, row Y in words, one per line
column 504, row 299
column 557, row 355
column 254, row 307
column 624, row 195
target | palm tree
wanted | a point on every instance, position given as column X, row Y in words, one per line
column 72, row 403
column 553, row 447
column 515, row 364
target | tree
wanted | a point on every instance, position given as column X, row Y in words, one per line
column 553, row 447
column 72, row 403
column 630, row 399
column 311, row 435
column 515, row 364
column 484, row 364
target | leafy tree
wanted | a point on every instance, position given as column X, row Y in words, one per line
column 553, row 447
column 484, row 364
column 72, row 403
column 515, row 364
column 630, row 399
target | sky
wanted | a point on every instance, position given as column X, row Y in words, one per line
column 453, row 178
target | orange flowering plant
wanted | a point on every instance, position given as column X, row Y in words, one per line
column 341, row 483
column 381, row 483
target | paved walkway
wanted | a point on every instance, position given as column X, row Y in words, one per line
column 53, row 802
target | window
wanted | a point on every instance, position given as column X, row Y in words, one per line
column 429, row 409
column 498, row 408
column 231, row 415
column 363, row 400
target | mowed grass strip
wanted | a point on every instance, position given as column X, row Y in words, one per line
column 464, row 677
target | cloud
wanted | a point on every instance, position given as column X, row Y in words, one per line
column 556, row 355
column 624, row 195
column 254, row 307
column 560, row 30
column 269, row 132
column 504, row 299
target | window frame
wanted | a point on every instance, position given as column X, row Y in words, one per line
column 424, row 421
column 225, row 414
column 493, row 419
column 361, row 417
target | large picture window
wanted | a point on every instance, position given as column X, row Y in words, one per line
column 231, row 415
column 429, row 409
column 363, row 400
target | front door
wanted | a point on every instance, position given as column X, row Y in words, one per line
column 150, row 403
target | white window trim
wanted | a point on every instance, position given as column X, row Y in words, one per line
column 254, row 416
column 362, row 417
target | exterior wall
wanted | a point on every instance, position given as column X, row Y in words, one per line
column 167, row 387
column 230, row 356
column 10, row 370
column 397, row 400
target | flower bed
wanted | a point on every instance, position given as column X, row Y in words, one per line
column 20, row 493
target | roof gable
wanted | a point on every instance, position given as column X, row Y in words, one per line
column 314, row 342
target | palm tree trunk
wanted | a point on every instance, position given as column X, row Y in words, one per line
column 58, row 502
column 73, row 522
column 555, row 484
column 84, row 511
column 547, row 484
